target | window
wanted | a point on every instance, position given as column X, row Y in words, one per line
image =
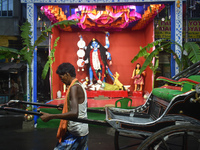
column 195, row 12
column 6, row 7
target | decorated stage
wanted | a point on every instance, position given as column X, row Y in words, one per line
column 98, row 102
column 99, row 99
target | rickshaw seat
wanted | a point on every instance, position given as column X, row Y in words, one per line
column 126, row 103
column 168, row 94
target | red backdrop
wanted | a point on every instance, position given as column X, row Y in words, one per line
column 123, row 47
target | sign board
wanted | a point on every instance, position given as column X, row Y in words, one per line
column 163, row 30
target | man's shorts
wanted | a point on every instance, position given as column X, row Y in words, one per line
column 71, row 142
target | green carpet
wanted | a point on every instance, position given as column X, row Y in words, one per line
column 55, row 122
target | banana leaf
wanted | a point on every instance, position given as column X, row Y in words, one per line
column 25, row 34
column 174, row 42
column 45, row 70
column 53, row 50
column 178, row 61
column 143, row 50
column 149, row 60
column 141, row 53
column 26, row 54
column 10, row 50
column 51, row 59
column 42, row 38
column 65, row 22
column 156, row 65
column 155, row 43
column 193, row 51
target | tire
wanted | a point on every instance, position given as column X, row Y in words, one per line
column 183, row 137
column 127, row 141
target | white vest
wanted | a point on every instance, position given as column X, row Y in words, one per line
column 78, row 128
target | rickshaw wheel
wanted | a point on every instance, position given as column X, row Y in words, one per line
column 183, row 137
column 126, row 140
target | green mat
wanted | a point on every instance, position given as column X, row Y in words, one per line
column 55, row 122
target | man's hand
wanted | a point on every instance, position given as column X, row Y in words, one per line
column 60, row 107
column 45, row 117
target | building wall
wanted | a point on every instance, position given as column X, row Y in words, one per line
column 10, row 25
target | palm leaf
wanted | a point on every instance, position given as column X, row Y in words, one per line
column 193, row 51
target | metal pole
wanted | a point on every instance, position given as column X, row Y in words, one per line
column 9, row 87
column 186, row 20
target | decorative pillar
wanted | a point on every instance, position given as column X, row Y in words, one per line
column 176, row 33
column 32, row 19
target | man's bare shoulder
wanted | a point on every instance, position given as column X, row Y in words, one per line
column 77, row 87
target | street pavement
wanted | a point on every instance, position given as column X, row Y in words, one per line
column 100, row 138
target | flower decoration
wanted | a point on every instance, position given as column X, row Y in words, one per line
column 55, row 14
column 178, row 3
column 148, row 15
column 113, row 17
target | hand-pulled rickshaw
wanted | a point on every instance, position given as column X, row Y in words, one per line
column 169, row 119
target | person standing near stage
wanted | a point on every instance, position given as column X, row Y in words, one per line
column 71, row 134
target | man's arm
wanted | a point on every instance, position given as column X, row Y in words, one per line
column 73, row 113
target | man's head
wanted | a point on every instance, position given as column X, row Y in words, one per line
column 66, row 71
